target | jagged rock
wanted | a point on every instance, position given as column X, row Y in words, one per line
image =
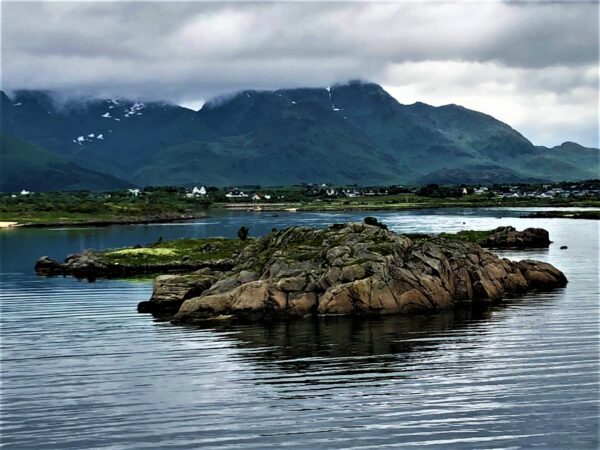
column 48, row 266
column 360, row 269
column 170, row 291
column 509, row 237
column 81, row 265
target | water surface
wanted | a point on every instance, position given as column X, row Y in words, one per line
column 81, row 369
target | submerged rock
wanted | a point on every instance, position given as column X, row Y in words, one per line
column 350, row 269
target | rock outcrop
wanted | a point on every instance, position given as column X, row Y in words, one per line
column 509, row 237
column 348, row 269
column 91, row 265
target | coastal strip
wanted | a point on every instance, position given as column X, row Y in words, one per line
column 9, row 224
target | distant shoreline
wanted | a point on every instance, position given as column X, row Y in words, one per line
column 592, row 212
column 99, row 223
column 270, row 207
column 583, row 215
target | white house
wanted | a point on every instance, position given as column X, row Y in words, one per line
column 25, row 192
column 134, row 192
column 351, row 193
column 236, row 194
column 201, row 191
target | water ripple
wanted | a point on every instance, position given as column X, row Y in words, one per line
column 81, row 369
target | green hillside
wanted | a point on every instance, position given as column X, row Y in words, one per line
column 26, row 166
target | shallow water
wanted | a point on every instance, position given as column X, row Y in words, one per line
column 81, row 369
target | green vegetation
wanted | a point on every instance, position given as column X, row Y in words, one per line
column 186, row 250
column 175, row 203
column 473, row 236
column 27, row 166
column 477, row 237
column 243, row 233
column 66, row 208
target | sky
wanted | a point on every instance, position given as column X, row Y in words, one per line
column 532, row 64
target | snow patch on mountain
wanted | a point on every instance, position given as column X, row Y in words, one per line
column 134, row 109
column 90, row 137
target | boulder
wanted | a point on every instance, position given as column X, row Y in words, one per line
column 540, row 275
column 170, row 291
column 509, row 237
column 48, row 266
column 354, row 269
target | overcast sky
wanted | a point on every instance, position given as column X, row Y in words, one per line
column 532, row 64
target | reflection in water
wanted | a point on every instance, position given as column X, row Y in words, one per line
column 351, row 344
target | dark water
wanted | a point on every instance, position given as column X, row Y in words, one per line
column 81, row 369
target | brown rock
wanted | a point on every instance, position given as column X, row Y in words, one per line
column 509, row 237
column 170, row 291
column 306, row 271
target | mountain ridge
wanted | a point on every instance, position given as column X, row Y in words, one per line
column 348, row 133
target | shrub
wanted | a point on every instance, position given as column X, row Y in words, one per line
column 243, row 233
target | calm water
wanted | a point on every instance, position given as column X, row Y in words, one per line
column 81, row 369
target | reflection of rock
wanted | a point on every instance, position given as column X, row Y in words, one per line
column 346, row 343
column 355, row 269
column 509, row 237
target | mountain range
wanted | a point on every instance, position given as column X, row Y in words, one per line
column 349, row 133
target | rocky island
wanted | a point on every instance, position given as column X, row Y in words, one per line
column 347, row 269
column 354, row 268
column 505, row 238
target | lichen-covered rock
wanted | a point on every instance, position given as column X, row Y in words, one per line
column 359, row 269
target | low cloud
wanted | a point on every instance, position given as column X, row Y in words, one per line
column 531, row 64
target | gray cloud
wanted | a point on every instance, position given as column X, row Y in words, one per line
column 512, row 60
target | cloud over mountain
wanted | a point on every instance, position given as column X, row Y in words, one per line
column 532, row 64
